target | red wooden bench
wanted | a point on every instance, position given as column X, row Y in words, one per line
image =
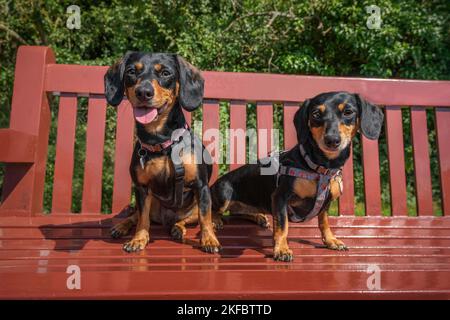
column 413, row 253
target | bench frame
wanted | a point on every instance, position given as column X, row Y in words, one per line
column 24, row 147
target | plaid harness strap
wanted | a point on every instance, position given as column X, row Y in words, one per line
column 321, row 174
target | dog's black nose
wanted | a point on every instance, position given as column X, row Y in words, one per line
column 332, row 141
column 144, row 93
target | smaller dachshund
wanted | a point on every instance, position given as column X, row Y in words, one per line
column 309, row 175
column 173, row 193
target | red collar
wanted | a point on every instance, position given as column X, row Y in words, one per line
column 166, row 144
column 317, row 168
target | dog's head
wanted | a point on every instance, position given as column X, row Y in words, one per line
column 331, row 120
column 153, row 82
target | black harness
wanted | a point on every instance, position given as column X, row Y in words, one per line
column 175, row 200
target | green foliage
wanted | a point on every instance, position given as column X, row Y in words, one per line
column 321, row 37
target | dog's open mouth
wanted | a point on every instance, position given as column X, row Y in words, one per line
column 145, row 115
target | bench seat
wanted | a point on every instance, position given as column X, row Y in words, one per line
column 413, row 255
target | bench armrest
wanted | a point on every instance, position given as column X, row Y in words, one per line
column 17, row 147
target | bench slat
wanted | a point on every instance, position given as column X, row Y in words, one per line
column 346, row 200
column 213, row 283
column 258, row 86
column 421, row 161
column 123, row 153
column 238, row 121
column 238, row 230
column 396, row 157
column 256, row 243
column 290, row 136
column 264, row 125
column 442, row 117
column 371, row 169
column 211, row 121
column 93, row 166
column 64, row 158
column 83, row 221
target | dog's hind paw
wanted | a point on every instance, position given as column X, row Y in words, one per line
column 262, row 221
column 119, row 230
column 217, row 223
column 178, row 232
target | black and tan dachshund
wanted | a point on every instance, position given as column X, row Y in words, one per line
column 309, row 175
column 158, row 86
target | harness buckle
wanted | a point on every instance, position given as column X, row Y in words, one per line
column 323, row 170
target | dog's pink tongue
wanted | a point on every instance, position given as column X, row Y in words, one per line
column 145, row 115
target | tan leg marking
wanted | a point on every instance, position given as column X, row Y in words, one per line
column 142, row 235
column 208, row 239
column 259, row 218
column 281, row 251
column 328, row 237
column 247, row 212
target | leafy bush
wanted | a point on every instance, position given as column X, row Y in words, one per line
column 323, row 37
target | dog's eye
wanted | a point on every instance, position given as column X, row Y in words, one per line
column 316, row 114
column 348, row 112
column 165, row 73
column 131, row 72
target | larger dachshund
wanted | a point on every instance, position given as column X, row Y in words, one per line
column 158, row 86
column 309, row 176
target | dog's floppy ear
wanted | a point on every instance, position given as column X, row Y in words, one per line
column 114, row 87
column 371, row 118
column 191, row 85
column 301, row 122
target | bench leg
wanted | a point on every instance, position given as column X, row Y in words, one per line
column 328, row 237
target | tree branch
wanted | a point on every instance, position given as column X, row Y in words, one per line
column 14, row 34
column 274, row 15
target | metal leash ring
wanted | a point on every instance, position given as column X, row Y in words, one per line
column 140, row 154
column 142, row 157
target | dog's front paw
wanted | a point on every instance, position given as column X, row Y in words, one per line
column 335, row 244
column 210, row 244
column 138, row 243
column 283, row 254
column 178, row 232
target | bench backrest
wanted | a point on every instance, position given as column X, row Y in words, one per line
column 37, row 75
